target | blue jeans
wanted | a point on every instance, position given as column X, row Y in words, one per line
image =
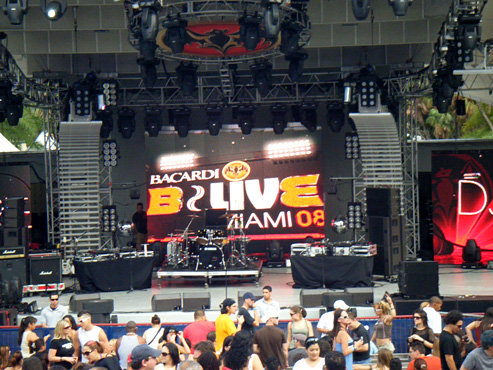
column 362, row 362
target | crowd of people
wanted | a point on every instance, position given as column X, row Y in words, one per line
column 236, row 342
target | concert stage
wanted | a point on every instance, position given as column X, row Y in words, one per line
column 251, row 273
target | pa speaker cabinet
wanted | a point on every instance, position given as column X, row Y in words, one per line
column 101, row 318
column 76, row 301
column 476, row 304
column 45, row 270
column 418, row 279
column 12, row 237
column 361, row 296
column 15, row 267
column 388, row 234
column 329, row 298
column 257, row 293
column 166, row 302
column 196, row 301
column 312, row 297
column 382, row 202
column 104, row 306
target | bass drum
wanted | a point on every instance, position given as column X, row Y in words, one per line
column 210, row 257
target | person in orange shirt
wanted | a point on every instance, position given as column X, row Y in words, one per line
column 417, row 350
column 224, row 323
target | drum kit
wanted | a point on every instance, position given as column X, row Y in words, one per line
column 208, row 248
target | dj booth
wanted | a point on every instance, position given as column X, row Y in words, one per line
column 333, row 272
column 114, row 274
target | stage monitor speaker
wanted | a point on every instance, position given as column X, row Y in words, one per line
column 418, row 279
column 8, row 316
column 382, row 202
column 45, row 270
column 329, row 298
column 361, row 296
column 196, row 301
column 166, row 302
column 101, row 318
column 103, row 306
column 257, row 293
column 476, row 304
column 76, row 301
column 406, row 306
column 10, row 268
column 388, row 234
column 312, row 297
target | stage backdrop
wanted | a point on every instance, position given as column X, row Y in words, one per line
column 206, row 177
column 462, row 186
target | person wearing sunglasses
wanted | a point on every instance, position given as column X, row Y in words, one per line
column 298, row 324
column 343, row 342
column 382, row 335
column 170, row 357
column 421, row 332
column 93, row 351
column 62, row 350
column 72, row 334
column 451, row 353
column 90, row 333
column 53, row 313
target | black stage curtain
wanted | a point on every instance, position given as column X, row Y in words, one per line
column 115, row 275
column 338, row 272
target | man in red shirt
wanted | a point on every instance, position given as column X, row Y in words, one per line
column 417, row 350
column 197, row 331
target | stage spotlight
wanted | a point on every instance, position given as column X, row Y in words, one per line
column 250, row 30
column 400, row 6
column 54, row 10
column 335, row 116
column 290, row 37
column 187, row 78
column 351, row 146
column 471, row 255
column 153, row 121
column 82, row 98
column 176, row 32
column 126, row 122
column 278, row 113
column 262, row 76
column 109, row 218
column 110, row 153
column 361, row 8
column 181, row 119
column 296, row 62
column 272, row 21
column 244, row 115
column 15, row 10
column 15, row 109
column 369, row 92
column 106, row 117
column 110, row 93
column 149, row 21
column 214, row 121
column 306, row 113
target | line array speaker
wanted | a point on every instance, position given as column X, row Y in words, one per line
column 388, row 234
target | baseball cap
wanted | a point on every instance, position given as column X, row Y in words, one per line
column 143, row 351
column 300, row 338
column 340, row 304
column 248, row 295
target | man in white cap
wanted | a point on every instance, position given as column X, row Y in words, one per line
column 326, row 322
column 144, row 357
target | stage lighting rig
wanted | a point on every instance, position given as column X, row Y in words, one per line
column 361, row 8
column 290, row 37
column 110, row 153
column 214, row 120
column 335, row 116
column 262, row 76
column 176, row 32
column 187, row 78
column 351, row 145
column 15, row 10
column 110, row 93
column 153, row 121
column 126, row 122
column 181, row 120
column 149, row 20
column 400, row 6
column 54, row 10
column 82, row 98
column 250, row 33
column 15, row 110
column 272, row 18
column 306, row 114
column 296, row 63
column 244, row 115
column 106, row 117
column 279, row 122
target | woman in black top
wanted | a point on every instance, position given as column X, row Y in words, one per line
column 94, row 352
column 421, row 332
column 61, row 347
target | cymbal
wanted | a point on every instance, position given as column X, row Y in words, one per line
column 227, row 215
column 193, row 216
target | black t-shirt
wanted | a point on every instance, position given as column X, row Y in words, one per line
column 449, row 346
column 361, row 332
column 427, row 334
column 64, row 348
column 249, row 320
column 110, row 363
column 139, row 219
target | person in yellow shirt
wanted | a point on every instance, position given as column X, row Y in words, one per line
column 224, row 323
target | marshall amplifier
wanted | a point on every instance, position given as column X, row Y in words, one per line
column 11, row 252
column 13, row 267
column 45, row 269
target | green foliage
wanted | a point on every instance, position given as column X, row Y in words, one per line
column 26, row 132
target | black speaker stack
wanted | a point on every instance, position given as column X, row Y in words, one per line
column 418, row 279
column 386, row 229
column 13, row 222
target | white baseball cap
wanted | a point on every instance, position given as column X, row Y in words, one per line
column 340, row 304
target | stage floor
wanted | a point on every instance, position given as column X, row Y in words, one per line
column 136, row 305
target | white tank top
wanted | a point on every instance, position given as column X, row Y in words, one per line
column 86, row 336
column 128, row 343
column 153, row 333
column 25, row 351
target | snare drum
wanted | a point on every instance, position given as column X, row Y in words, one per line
column 219, row 237
column 210, row 257
column 204, row 236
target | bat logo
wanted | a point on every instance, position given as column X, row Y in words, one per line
column 236, row 171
